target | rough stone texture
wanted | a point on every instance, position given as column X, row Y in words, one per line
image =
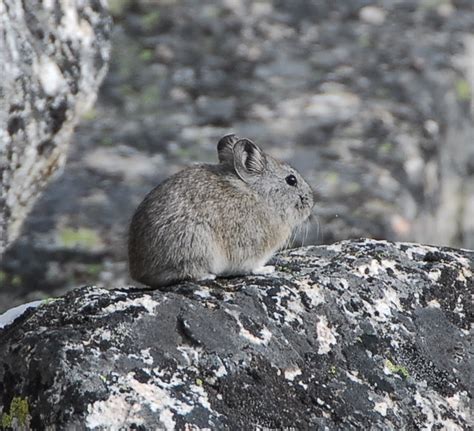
column 358, row 335
column 53, row 56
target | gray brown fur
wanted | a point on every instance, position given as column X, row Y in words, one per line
column 212, row 220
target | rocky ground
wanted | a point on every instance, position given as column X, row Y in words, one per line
column 360, row 334
column 370, row 100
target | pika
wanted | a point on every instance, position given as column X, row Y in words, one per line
column 220, row 219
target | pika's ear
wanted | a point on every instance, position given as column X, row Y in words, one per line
column 249, row 159
column 225, row 149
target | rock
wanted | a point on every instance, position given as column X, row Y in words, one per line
column 372, row 15
column 327, row 109
column 54, row 56
column 362, row 334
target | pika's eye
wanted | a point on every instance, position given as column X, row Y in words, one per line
column 291, row 180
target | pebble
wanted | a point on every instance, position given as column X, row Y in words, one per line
column 372, row 15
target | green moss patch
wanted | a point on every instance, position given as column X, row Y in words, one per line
column 397, row 369
column 79, row 238
column 463, row 90
column 150, row 20
column 18, row 415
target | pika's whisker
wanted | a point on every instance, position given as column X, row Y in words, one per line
column 305, row 236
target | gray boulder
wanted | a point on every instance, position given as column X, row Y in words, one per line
column 357, row 335
column 53, row 56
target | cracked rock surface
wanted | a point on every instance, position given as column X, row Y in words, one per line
column 53, row 56
column 361, row 334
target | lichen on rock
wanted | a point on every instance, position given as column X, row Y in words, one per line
column 357, row 335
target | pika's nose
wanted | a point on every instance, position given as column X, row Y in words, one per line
column 304, row 200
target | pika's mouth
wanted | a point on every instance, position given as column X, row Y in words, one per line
column 305, row 202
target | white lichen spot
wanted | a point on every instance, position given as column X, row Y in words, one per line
column 434, row 274
column 190, row 354
column 460, row 402
column 381, row 408
column 170, row 381
column 434, row 304
column 295, row 306
column 417, row 249
column 154, row 396
column 383, row 405
column 311, row 290
column 384, row 305
column 50, row 76
column 74, row 347
column 48, row 4
column 220, row 372
column 386, row 264
column 432, row 404
column 344, row 283
column 146, row 356
column 202, row 294
column 106, row 335
column 94, row 352
column 124, row 406
column 264, row 336
column 290, row 312
column 459, row 309
column 334, row 247
column 202, row 398
column 326, row 336
column 145, row 301
column 391, row 296
column 113, row 413
column 426, row 408
column 291, row 373
column 75, row 27
column 369, row 269
column 382, row 308
column 394, row 343
column 354, row 376
column 375, row 267
column 465, row 274
column 454, row 401
column 166, row 418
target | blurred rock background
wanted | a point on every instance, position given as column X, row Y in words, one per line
column 370, row 100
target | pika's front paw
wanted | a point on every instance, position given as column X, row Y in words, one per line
column 263, row 270
column 208, row 277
